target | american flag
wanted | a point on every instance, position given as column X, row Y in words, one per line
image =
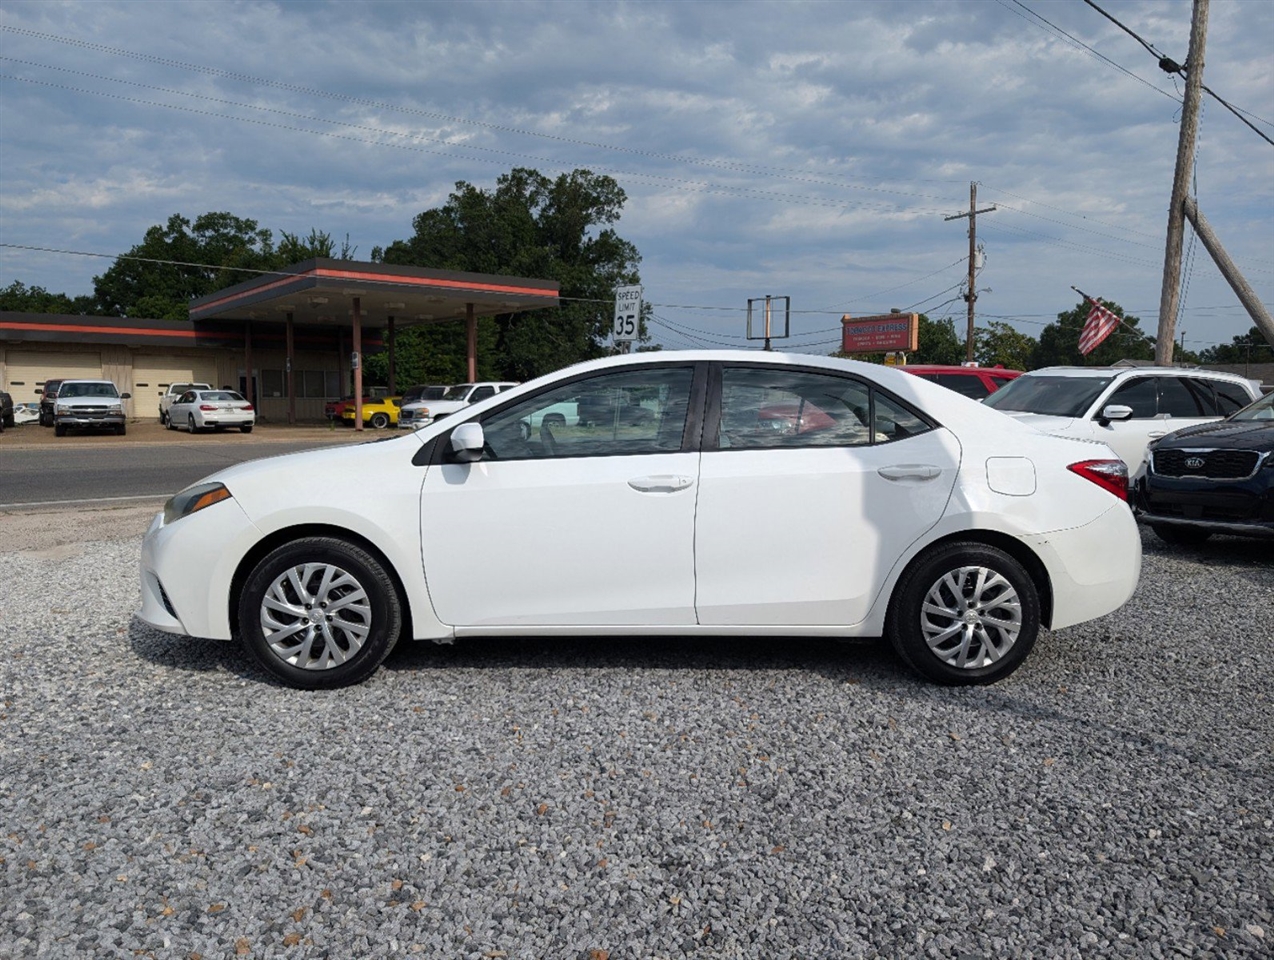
column 1101, row 323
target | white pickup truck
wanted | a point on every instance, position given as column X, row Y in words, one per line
column 413, row 416
column 174, row 391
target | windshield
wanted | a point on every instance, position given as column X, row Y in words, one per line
column 1262, row 409
column 458, row 392
column 88, row 390
column 1049, row 395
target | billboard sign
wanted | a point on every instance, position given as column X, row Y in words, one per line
column 890, row 331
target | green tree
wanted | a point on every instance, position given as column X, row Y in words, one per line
column 530, row 226
column 19, row 297
column 182, row 260
column 1250, row 347
column 1000, row 344
column 1059, row 341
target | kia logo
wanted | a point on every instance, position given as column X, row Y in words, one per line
column 1194, row 463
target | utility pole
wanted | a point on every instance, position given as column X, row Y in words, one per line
column 1170, row 292
column 972, row 293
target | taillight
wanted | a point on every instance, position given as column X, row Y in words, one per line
column 246, row 406
column 206, row 406
column 1110, row 475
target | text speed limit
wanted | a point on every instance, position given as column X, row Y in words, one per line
column 627, row 313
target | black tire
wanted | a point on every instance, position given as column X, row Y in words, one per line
column 190, row 423
column 246, row 428
column 163, row 419
column 168, row 422
column 1180, row 536
column 365, row 635
column 122, row 429
column 59, row 430
column 991, row 644
column 380, row 420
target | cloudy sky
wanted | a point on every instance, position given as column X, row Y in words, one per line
column 801, row 149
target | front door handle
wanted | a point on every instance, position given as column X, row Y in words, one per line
column 1156, row 434
column 910, row 471
column 663, row 483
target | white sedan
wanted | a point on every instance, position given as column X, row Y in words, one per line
column 767, row 495
column 197, row 410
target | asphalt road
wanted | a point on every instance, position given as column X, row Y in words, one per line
column 86, row 468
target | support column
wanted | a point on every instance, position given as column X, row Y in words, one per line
column 249, row 393
column 389, row 332
column 471, row 340
column 288, row 365
column 357, row 349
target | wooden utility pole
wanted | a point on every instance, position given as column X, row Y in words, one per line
column 1247, row 296
column 1169, row 294
column 972, row 293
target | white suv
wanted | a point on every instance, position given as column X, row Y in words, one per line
column 413, row 416
column 1122, row 407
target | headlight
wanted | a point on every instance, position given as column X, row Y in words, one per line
column 116, row 409
column 61, row 409
column 194, row 499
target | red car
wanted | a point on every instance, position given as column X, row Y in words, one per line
column 976, row 382
column 335, row 409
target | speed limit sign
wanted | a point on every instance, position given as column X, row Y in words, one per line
column 627, row 313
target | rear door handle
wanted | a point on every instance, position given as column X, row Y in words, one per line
column 662, row 483
column 1155, row 434
column 910, row 471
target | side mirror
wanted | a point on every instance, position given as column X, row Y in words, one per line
column 125, row 396
column 1114, row 411
column 467, row 442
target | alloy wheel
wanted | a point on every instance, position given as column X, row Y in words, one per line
column 315, row 616
column 971, row 617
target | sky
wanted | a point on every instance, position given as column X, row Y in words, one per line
column 810, row 150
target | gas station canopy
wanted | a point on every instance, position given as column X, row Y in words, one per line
column 331, row 291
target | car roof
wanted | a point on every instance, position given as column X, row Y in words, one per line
column 957, row 369
column 1135, row 371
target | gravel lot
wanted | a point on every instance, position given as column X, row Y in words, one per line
column 632, row 799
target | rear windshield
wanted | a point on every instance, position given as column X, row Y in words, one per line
column 221, row 395
column 1050, row 395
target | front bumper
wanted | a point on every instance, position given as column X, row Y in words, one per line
column 1243, row 508
column 187, row 567
column 87, row 420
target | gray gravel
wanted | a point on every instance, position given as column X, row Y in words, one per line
column 638, row 799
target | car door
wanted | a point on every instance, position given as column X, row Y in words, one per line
column 803, row 509
column 1160, row 405
column 569, row 523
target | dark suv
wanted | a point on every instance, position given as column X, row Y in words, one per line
column 47, row 396
column 6, row 411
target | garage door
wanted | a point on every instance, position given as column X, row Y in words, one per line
column 28, row 369
column 153, row 374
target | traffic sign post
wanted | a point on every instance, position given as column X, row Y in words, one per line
column 627, row 314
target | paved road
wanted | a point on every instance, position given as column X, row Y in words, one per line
column 95, row 470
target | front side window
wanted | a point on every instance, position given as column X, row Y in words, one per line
column 1140, row 394
column 632, row 412
column 765, row 407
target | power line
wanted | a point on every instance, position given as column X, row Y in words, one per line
column 1168, row 65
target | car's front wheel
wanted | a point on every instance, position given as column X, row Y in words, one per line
column 319, row 613
column 964, row 613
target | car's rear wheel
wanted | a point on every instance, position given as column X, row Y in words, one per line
column 964, row 613
column 245, row 428
column 319, row 613
column 190, row 423
column 380, row 420
column 163, row 418
column 1180, row 536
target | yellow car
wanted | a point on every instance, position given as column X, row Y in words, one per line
column 379, row 413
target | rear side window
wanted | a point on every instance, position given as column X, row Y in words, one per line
column 481, row 393
column 1182, row 398
column 967, row 384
